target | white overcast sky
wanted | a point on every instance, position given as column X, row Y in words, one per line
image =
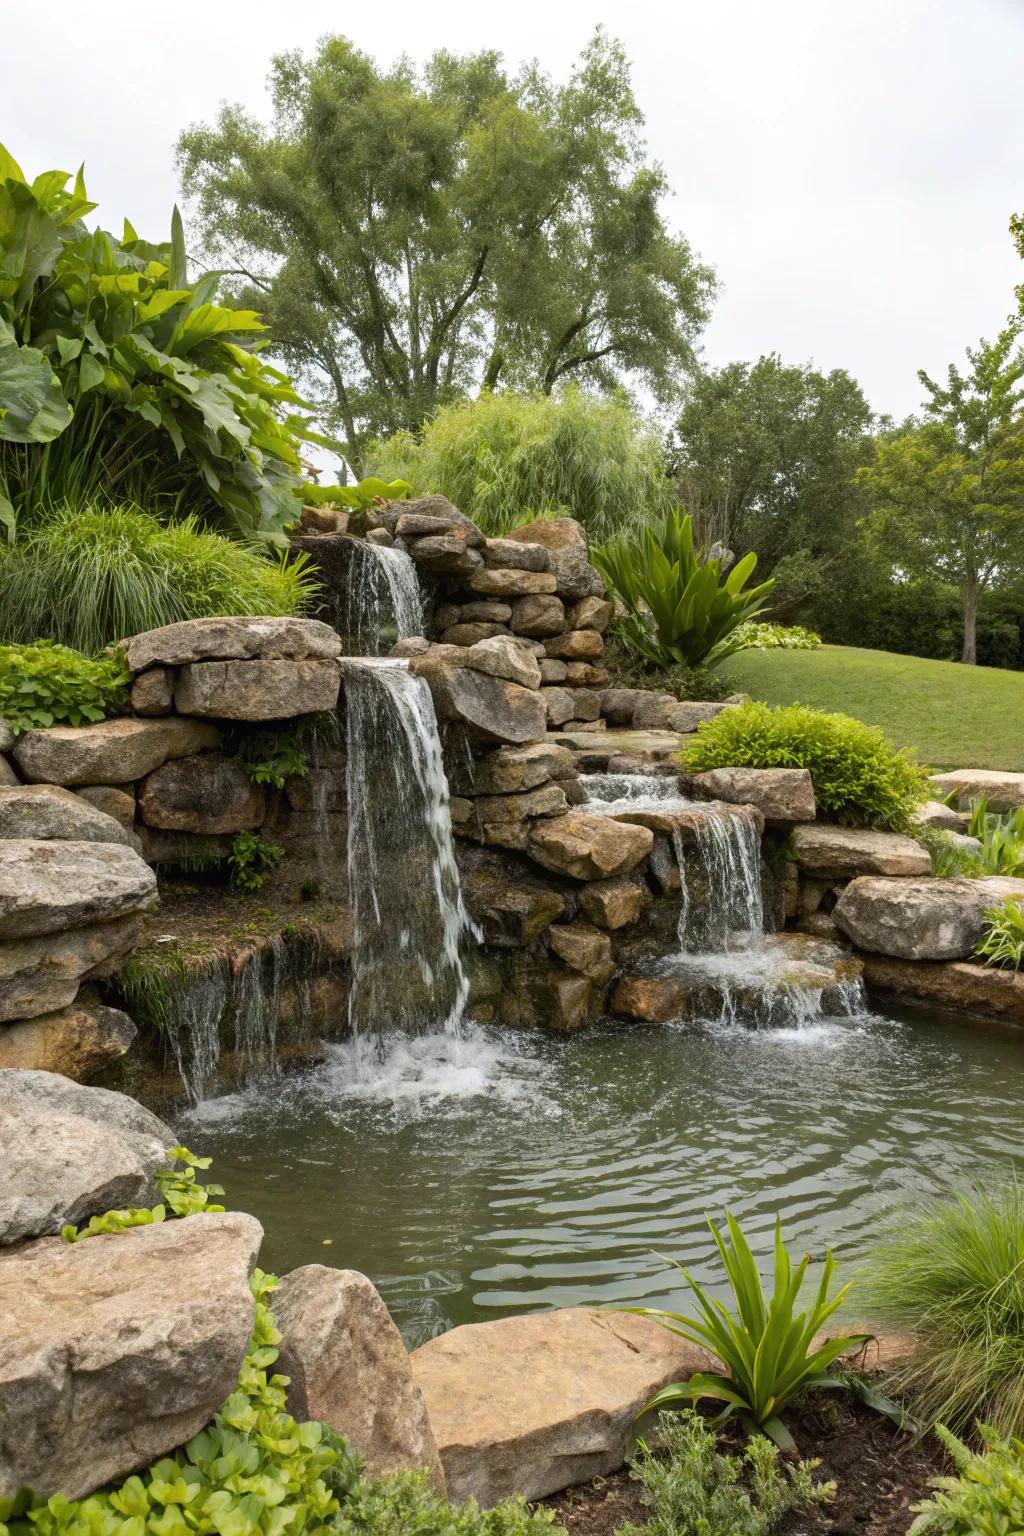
column 847, row 166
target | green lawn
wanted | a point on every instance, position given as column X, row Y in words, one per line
column 956, row 717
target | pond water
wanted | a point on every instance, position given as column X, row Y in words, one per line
column 507, row 1172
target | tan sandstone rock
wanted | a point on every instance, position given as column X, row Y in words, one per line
column 492, row 709
column 510, row 769
column 538, row 616
column 1003, row 791
column 780, row 794
column 613, row 903
column 651, row 999
column 242, row 638
column 502, row 656
column 494, row 582
column 588, row 847
column 41, row 972
column 257, row 690
column 956, row 984
column 110, row 752
column 566, row 543
column 575, row 645
column 920, row 919
column 584, row 948
column 829, row 850
column 78, row 1041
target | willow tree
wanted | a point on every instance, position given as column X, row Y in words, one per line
column 413, row 235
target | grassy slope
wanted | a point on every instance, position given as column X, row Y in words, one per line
column 956, row 717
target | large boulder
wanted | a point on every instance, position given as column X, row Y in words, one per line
column 538, row 616
column 510, row 769
column 69, row 1153
column 650, row 999
column 780, row 794
column 110, row 752
column 502, row 656
column 48, row 811
column 566, row 543
column 491, row 709
column 588, row 847
column 512, row 913
column 447, row 554
column 533, row 1404
column 1003, row 791
column 920, row 919
column 78, row 1041
column 349, row 1369
column 41, row 972
column 514, row 555
column 231, row 639
column 118, row 1349
column 49, row 886
column 506, row 584
column 257, row 690
column 822, row 849
column 613, row 903
column 956, row 984
column 934, row 813
column 208, row 794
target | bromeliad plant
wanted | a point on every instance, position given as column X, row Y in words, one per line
column 765, row 1343
column 681, row 609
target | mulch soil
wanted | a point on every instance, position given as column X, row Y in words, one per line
column 880, row 1474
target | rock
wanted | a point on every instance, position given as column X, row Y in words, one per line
column 323, row 520
column 591, row 613
column 257, row 690
column 231, row 639
column 538, row 616
column 1003, row 791
column 566, row 543
column 510, row 769
column 920, row 919
column 6, row 735
column 613, row 903
column 48, row 886
column 575, row 645
column 828, row 850
column 379, row 536
column 651, row 711
column 934, row 814
column 586, row 704
column 780, row 794
column 562, row 999
column 511, row 913
column 501, row 656
column 545, row 800
column 583, row 948
column 588, row 847
column 486, row 611
column 552, row 671
column 559, row 704
column 153, row 692
column 110, row 752
column 510, row 554
column 119, row 1349
column 447, row 554
column 582, row 674
column 42, row 972
column 349, row 1370
column 507, row 583
column 982, row 989
column 492, row 709
column 533, row 1404
column 45, row 811
column 208, row 794
column 119, row 803
column 618, row 704
column 7, row 773
column 77, row 1041
column 414, row 645
column 69, row 1153
column 686, row 714
column 585, row 727
column 418, row 525
column 650, row 999
column 434, row 506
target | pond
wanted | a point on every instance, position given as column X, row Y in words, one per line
column 505, row 1172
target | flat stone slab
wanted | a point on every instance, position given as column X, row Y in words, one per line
column 231, row 639
column 780, row 794
column 257, row 690
column 587, row 847
column 41, row 972
column 110, row 752
column 956, row 984
column 48, row 811
column 822, row 849
column 920, row 919
column 48, row 886
column 653, row 744
column 1003, row 791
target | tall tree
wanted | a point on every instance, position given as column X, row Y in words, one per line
column 413, row 236
column 949, row 492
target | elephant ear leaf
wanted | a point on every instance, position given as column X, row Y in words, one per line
column 32, row 404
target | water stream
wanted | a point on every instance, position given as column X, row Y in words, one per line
column 381, row 600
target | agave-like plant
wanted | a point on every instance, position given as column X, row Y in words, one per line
column 681, row 610
column 765, row 1344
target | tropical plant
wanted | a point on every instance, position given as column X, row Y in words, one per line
column 681, row 609
column 120, row 379
column 765, row 1344
column 985, row 1498
column 251, row 859
column 91, row 577
column 47, row 684
column 1001, row 836
column 504, row 459
column 859, row 777
column 1002, row 939
column 777, row 637
column 952, row 1276
column 359, row 498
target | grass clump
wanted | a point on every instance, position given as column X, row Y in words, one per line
column 986, row 1498
column 47, row 684
column 953, row 1277
column 1002, row 939
column 89, row 577
column 860, row 778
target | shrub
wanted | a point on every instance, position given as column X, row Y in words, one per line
column 681, row 608
column 87, row 578
column 251, row 859
column 47, row 684
column 503, row 458
column 692, row 1490
column 1002, row 940
column 860, row 779
column 953, row 1276
column 405, row 1504
column 986, row 1498
column 633, row 671
column 776, row 637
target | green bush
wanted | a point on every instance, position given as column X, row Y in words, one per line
column 860, row 779
column 753, row 636
column 251, row 859
column 1002, row 939
column 953, row 1276
column 692, row 1490
column 47, row 684
column 88, row 578
column 986, row 1498
column 504, row 458
column 405, row 1504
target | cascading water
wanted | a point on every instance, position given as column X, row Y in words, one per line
column 191, row 1025
column 409, row 920
column 382, row 600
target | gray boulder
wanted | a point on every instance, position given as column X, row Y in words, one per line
column 208, row 794
column 501, row 656
column 153, row 692
column 823, row 849
column 1004, row 791
column 119, row 803
column 257, row 690
column 515, row 555
column 77, row 1042
column 538, row 615
column 45, row 811
column 447, row 554
column 510, row 769
column 6, row 736
column 943, row 817
column 506, row 584
column 231, row 639
column 7, row 773
column 566, row 543
column 920, row 919
column 491, row 709
column 42, row 972
column 46, row 887
column 110, row 752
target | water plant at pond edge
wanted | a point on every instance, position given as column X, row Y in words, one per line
column 46, row 684
column 1002, row 940
column 1001, row 839
column 765, row 1343
column 985, row 1498
column 953, row 1277
column 860, row 779
column 179, row 1190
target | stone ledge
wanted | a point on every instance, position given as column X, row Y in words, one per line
column 955, row 984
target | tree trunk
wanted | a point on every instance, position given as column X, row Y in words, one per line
column 970, row 652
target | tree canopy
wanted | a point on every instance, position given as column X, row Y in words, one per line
column 412, row 235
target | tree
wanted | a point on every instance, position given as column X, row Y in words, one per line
column 413, row 236
column 949, row 491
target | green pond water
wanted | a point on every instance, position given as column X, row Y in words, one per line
column 501, row 1173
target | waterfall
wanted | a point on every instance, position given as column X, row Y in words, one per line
column 256, row 1004
column 381, row 602
column 191, row 1020
column 731, row 911
column 409, row 920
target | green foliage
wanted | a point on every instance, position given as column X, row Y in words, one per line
column 273, row 757
column 1002, row 940
column 764, row 1343
column 405, row 1504
column 47, row 684
column 986, row 1498
column 120, row 379
column 179, row 1192
column 633, row 671
column 92, row 576
column 1002, row 845
column 359, row 498
column 952, row 1276
column 251, row 858
column 693, row 1490
column 505, row 458
column 776, row 637
column 681, row 609
column 859, row 778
